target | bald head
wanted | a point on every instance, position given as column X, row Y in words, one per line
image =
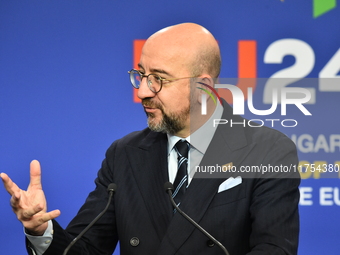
column 189, row 46
column 175, row 54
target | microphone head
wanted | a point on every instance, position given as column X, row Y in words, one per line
column 168, row 186
column 112, row 187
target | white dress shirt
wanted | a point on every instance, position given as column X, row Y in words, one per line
column 199, row 142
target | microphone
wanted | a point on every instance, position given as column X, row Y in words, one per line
column 111, row 189
column 169, row 189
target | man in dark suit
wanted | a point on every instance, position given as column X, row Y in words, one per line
column 249, row 213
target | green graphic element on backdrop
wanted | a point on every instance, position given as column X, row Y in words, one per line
column 322, row 6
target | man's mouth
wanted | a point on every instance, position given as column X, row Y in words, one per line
column 150, row 109
column 150, row 106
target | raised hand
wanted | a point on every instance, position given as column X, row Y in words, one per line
column 30, row 206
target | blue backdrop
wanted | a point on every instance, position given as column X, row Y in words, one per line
column 65, row 95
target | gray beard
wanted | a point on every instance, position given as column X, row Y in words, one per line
column 170, row 124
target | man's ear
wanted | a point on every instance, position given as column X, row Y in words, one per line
column 203, row 85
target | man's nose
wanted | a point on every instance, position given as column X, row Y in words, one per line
column 144, row 91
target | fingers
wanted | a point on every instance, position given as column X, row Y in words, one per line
column 24, row 214
column 35, row 217
column 30, row 206
column 37, row 224
column 10, row 186
column 45, row 217
column 35, row 179
column 35, row 175
column 52, row 215
column 15, row 200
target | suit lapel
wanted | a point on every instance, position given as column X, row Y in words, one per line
column 148, row 161
column 228, row 145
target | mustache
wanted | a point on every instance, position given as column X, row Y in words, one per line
column 147, row 102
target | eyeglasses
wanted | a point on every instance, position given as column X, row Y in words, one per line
column 154, row 81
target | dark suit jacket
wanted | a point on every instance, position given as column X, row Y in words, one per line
column 259, row 216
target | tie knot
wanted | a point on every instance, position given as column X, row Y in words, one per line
column 182, row 148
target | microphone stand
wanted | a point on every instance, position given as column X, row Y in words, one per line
column 169, row 188
column 111, row 189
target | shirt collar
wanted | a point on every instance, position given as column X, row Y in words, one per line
column 202, row 137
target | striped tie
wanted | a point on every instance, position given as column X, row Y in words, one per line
column 181, row 181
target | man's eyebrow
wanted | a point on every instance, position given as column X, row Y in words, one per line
column 140, row 66
column 161, row 71
column 155, row 70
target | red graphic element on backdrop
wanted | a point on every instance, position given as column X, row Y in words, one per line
column 247, row 69
column 137, row 51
